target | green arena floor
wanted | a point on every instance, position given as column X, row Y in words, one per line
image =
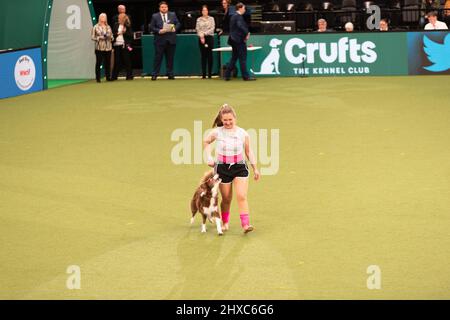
column 364, row 179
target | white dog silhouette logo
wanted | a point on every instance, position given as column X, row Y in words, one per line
column 270, row 63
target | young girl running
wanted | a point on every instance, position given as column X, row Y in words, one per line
column 230, row 165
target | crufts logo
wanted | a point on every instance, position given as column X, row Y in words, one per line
column 297, row 51
column 438, row 54
column 271, row 62
column 25, row 73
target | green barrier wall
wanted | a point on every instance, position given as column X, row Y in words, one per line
column 187, row 56
column 327, row 54
column 21, row 23
column 61, row 28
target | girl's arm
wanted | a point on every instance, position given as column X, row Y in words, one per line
column 207, row 147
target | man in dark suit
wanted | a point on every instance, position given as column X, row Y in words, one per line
column 238, row 37
column 164, row 26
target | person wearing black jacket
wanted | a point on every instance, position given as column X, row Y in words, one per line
column 228, row 11
column 238, row 37
column 123, row 36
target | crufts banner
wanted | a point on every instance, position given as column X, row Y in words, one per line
column 349, row 54
column 70, row 48
column 20, row 72
column 429, row 52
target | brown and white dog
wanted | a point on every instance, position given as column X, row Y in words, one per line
column 206, row 199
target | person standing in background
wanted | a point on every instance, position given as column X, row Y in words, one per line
column 239, row 35
column 228, row 11
column 164, row 26
column 103, row 36
column 205, row 27
column 120, row 9
column 123, row 36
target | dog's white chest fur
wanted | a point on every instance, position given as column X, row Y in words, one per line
column 213, row 207
column 212, row 202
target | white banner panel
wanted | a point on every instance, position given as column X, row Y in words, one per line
column 71, row 52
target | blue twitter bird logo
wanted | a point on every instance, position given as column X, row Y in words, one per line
column 438, row 54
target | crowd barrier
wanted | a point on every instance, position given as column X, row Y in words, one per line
column 62, row 28
column 187, row 55
column 325, row 54
column 20, row 72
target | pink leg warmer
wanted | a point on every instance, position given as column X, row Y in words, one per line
column 225, row 217
column 244, row 219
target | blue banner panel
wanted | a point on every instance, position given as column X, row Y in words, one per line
column 20, row 72
column 429, row 52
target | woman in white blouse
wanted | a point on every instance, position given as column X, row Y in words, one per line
column 123, row 36
column 205, row 30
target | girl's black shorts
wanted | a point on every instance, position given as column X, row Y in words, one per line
column 227, row 172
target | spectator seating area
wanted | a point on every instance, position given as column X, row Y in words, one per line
column 401, row 14
column 299, row 15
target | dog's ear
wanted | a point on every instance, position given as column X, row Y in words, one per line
column 206, row 176
column 202, row 190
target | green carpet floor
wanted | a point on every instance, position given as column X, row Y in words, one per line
column 364, row 179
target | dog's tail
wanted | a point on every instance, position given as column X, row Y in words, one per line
column 194, row 208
